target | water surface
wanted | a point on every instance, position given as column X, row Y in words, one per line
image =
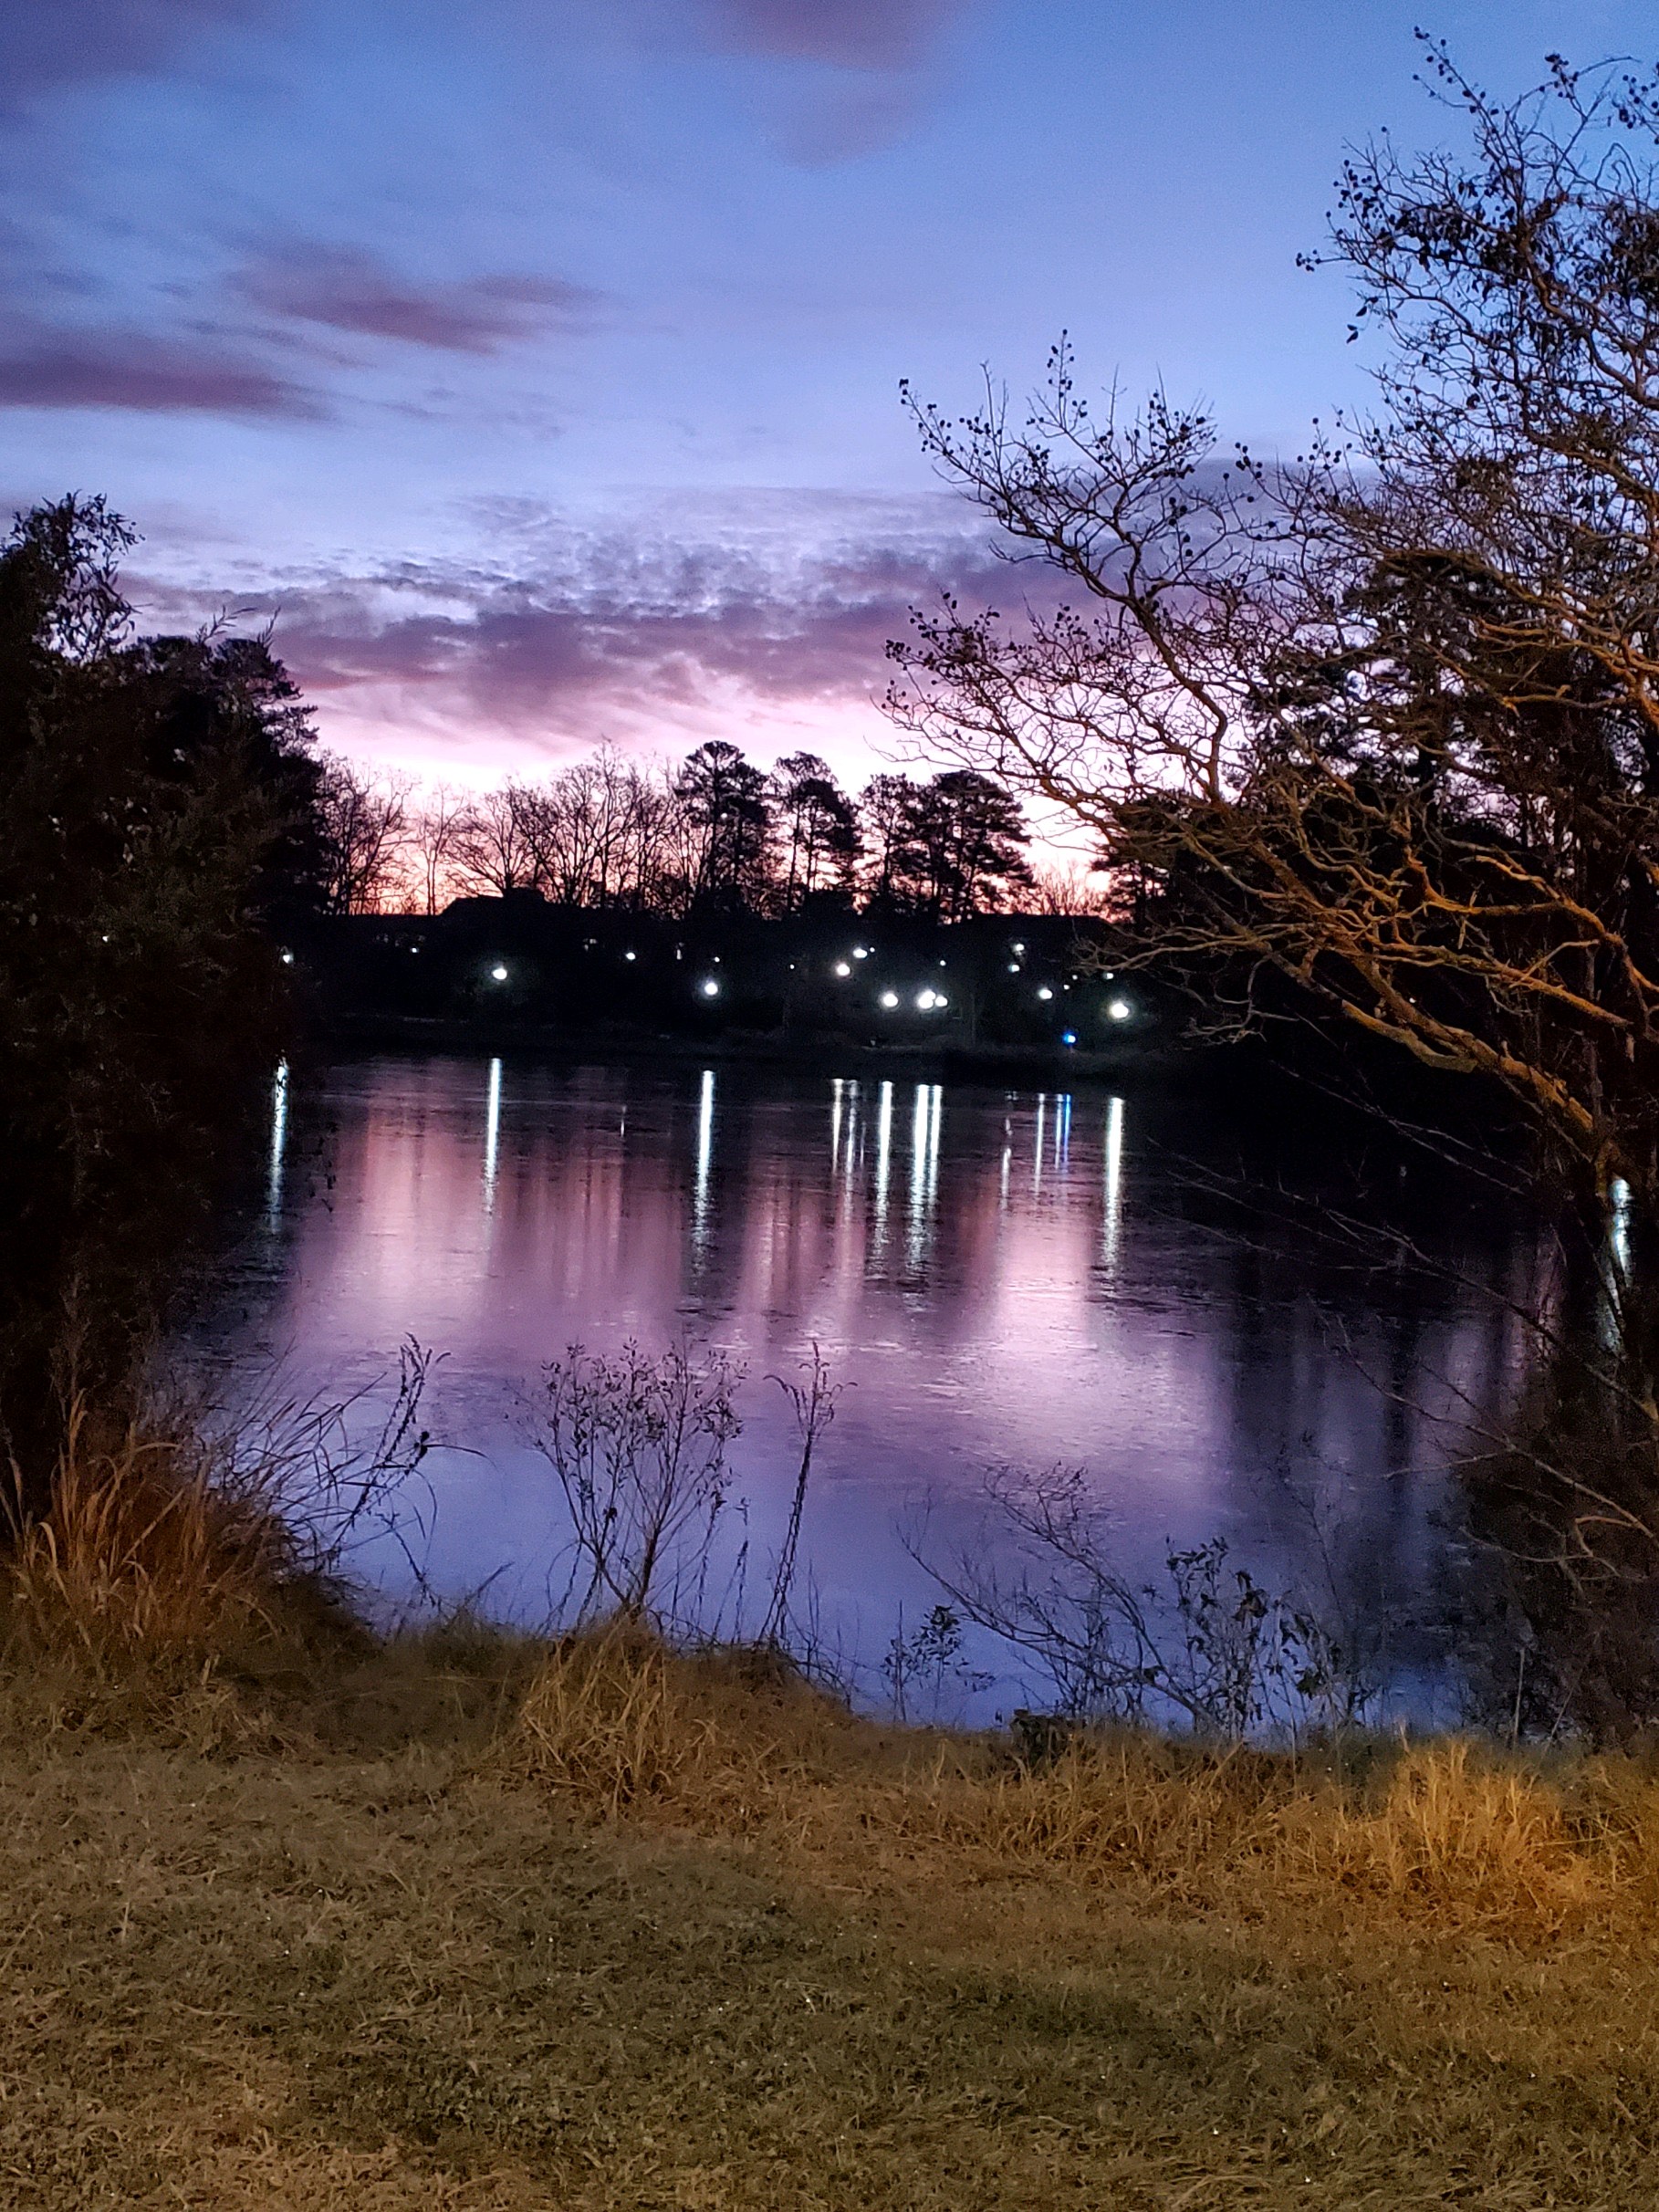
column 995, row 1278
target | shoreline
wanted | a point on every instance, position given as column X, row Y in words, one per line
column 1033, row 1067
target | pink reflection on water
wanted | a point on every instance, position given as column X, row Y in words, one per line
column 994, row 1278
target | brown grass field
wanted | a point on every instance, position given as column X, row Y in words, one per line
column 292, row 1919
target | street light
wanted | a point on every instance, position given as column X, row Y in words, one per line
column 498, row 973
column 1119, row 1009
column 843, row 967
column 1044, row 992
column 711, row 989
column 890, row 998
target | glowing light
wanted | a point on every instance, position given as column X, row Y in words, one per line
column 1019, row 948
column 288, row 958
column 861, row 952
column 711, row 989
column 1013, row 967
column 890, row 998
column 1119, row 1009
column 843, row 967
column 1045, row 992
column 498, row 974
column 631, row 956
column 1067, row 1036
column 926, row 1001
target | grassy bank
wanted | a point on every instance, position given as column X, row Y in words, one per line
column 297, row 1916
column 462, row 1921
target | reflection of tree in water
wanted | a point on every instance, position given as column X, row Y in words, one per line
column 157, row 795
column 1364, row 1288
column 1556, row 1605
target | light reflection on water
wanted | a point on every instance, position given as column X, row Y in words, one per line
column 995, row 1278
column 278, row 1157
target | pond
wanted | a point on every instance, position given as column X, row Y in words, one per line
column 1113, row 1280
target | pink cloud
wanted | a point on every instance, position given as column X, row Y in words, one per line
column 346, row 288
column 852, row 33
column 130, row 369
column 766, row 620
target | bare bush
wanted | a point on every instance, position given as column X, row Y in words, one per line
column 639, row 1446
column 813, row 1403
column 1212, row 1647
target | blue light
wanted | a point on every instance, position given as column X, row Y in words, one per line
column 1067, row 1036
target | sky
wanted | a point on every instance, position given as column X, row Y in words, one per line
column 534, row 365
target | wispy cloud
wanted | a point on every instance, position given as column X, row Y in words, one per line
column 111, row 367
column 850, row 34
column 349, row 289
column 46, row 42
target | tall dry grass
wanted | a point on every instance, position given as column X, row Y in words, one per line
column 619, row 1723
column 1445, row 1834
column 175, row 1534
column 154, row 1546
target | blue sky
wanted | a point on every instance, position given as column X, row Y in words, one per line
column 535, row 361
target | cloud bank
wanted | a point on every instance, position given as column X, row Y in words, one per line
column 630, row 633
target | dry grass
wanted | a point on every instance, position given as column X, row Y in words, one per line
column 1446, row 1835
column 601, row 1927
column 148, row 1548
column 618, row 1723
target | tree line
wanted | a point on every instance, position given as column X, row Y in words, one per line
column 713, row 835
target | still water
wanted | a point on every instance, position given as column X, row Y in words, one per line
column 995, row 1279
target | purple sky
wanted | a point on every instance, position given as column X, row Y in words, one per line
column 535, row 362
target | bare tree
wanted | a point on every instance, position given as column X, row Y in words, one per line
column 638, row 1445
column 491, row 852
column 1384, row 724
column 436, row 831
column 367, row 830
column 1075, row 889
column 590, row 832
